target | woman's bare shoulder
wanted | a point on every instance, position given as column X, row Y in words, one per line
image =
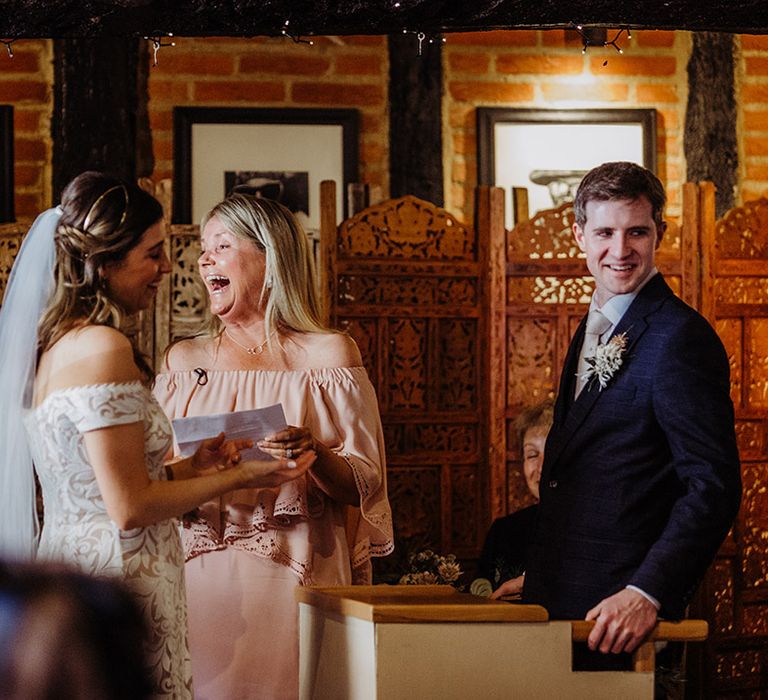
column 89, row 355
column 331, row 349
column 188, row 354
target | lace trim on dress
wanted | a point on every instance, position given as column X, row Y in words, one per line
column 382, row 521
column 199, row 537
column 295, row 503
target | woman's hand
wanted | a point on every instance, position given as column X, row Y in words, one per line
column 331, row 472
column 219, row 452
column 513, row 587
column 289, row 443
column 271, row 473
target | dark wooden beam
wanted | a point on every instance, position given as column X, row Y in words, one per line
column 415, row 122
column 100, row 118
column 89, row 18
column 711, row 149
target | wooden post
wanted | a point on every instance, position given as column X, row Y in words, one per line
column 708, row 249
column 490, row 226
column 415, row 119
column 520, row 205
column 690, row 249
column 709, row 141
column 100, row 118
column 327, row 258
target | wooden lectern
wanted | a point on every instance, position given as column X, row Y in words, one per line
column 417, row 642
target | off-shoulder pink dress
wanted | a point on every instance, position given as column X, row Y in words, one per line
column 248, row 550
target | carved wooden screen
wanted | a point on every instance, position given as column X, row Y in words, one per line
column 410, row 283
column 548, row 289
column 11, row 236
column 735, row 298
column 181, row 300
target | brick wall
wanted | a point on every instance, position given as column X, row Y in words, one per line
column 752, row 102
column 338, row 72
column 546, row 69
column 25, row 83
column 516, row 69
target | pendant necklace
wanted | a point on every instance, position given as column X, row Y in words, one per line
column 256, row 349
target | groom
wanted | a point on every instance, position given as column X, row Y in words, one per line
column 641, row 477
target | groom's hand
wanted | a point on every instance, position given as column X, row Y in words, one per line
column 622, row 622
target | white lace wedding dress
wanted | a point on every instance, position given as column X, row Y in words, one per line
column 78, row 531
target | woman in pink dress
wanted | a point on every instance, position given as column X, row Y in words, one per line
column 248, row 550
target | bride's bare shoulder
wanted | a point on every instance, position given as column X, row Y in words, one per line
column 188, row 354
column 87, row 355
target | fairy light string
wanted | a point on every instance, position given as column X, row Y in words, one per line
column 588, row 40
column 157, row 39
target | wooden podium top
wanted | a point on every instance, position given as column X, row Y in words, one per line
column 413, row 603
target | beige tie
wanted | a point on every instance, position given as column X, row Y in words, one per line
column 597, row 324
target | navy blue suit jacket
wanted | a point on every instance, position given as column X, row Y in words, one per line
column 641, row 480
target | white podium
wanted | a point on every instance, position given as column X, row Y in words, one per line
column 423, row 642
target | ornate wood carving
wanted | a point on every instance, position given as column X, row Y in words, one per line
column 734, row 252
column 410, row 284
column 11, row 236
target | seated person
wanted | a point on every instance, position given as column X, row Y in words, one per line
column 502, row 561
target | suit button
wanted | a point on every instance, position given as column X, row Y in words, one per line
column 553, row 484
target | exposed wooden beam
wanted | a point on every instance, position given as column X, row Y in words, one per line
column 415, row 119
column 99, row 119
column 710, row 143
column 88, row 18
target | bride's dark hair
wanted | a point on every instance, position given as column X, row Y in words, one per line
column 103, row 219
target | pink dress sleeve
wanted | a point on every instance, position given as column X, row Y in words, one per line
column 346, row 405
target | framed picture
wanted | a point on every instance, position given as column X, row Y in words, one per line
column 6, row 164
column 548, row 151
column 281, row 154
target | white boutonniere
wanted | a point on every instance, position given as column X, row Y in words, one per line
column 606, row 361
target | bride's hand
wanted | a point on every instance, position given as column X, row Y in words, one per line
column 271, row 473
column 219, row 452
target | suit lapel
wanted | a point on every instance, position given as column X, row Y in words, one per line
column 572, row 413
column 564, row 400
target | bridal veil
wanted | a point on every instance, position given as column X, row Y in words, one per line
column 26, row 296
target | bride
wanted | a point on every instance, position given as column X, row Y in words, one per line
column 75, row 397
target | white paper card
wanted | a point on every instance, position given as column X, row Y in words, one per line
column 253, row 425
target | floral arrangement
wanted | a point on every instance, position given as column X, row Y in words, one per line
column 426, row 567
column 606, row 361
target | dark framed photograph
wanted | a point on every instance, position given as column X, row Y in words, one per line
column 6, row 164
column 281, row 154
column 548, row 151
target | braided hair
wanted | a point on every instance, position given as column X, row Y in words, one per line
column 103, row 219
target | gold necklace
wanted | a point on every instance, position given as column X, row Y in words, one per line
column 256, row 349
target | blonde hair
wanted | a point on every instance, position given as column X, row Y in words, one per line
column 290, row 294
column 103, row 219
